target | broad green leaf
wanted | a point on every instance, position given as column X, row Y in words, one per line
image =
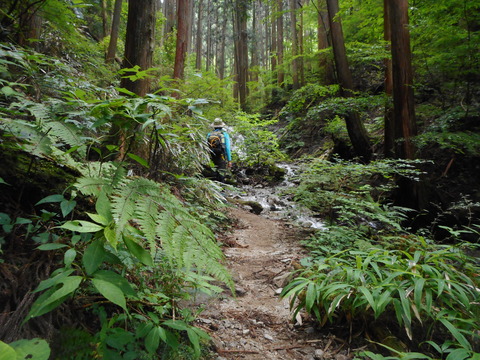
column 7, row 352
column 110, row 292
column 457, row 334
column 138, row 159
column 34, row 349
column 54, row 296
column 176, row 324
column 93, row 256
column 111, row 235
column 143, row 328
column 66, row 206
column 3, row 182
column 418, row 291
column 51, row 246
column 116, row 279
column 311, row 296
column 460, row 354
column 22, row 221
column 57, row 279
column 369, row 297
column 152, row 341
column 194, row 339
column 100, row 219
column 81, row 226
column 69, row 256
column 139, row 252
column 50, row 199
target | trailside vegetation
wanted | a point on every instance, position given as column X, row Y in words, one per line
column 108, row 224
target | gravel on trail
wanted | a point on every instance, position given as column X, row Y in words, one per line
column 257, row 323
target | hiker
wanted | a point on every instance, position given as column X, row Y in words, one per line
column 219, row 145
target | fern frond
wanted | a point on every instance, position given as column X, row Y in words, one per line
column 147, row 215
column 92, row 185
column 151, row 213
column 66, row 133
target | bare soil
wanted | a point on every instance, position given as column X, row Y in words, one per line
column 257, row 323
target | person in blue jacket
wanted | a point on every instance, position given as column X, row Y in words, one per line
column 220, row 148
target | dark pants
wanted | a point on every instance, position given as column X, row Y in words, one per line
column 220, row 167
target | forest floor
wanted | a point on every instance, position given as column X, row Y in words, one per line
column 257, row 323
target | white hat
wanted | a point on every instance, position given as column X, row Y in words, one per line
column 218, row 123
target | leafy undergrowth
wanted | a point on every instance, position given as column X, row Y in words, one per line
column 99, row 242
column 410, row 296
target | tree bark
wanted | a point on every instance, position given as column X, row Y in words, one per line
column 104, row 19
column 112, row 46
column 183, row 20
column 389, row 124
column 208, row 57
column 325, row 64
column 356, row 130
column 241, row 50
column 254, row 62
column 403, row 97
column 199, row 40
column 139, row 43
column 295, row 47
column 221, row 59
column 301, row 62
column 273, row 46
column 280, row 73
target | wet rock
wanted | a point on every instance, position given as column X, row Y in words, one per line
column 319, row 354
column 268, row 337
column 240, row 291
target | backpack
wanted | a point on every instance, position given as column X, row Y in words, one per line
column 216, row 142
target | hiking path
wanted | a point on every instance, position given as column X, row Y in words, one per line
column 257, row 323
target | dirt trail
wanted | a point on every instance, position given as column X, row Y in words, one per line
column 257, row 323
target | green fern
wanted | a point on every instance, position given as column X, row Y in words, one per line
column 159, row 222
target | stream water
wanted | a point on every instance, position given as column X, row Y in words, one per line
column 277, row 201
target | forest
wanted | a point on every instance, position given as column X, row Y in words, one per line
column 111, row 219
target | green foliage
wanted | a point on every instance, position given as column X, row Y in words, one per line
column 428, row 289
column 34, row 349
column 453, row 129
column 324, row 185
column 259, row 145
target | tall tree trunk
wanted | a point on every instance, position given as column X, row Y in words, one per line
column 325, row 64
column 356, row 130
column 273, row 47
column 403, row 99
column 295, row 46
column 104, row 19
column 208, row 58
column 255, row 44
column 301, row 62
column 241, row 50
column 112, row 46
column 169, row 12
column 139, row 42
column 389, row 123
column 280, row 73
column 198, row 47
column 410, row 194
column 183, row 20
column 221, row 60
column 191, row 22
